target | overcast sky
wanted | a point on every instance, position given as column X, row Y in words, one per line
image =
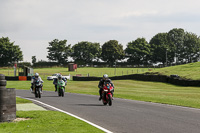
column 31, row 24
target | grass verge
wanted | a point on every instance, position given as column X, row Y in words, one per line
column 21, row 100
column 47, row 122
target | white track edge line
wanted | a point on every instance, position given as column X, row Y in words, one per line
column 99, row 127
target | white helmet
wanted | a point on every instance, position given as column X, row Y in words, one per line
column 36, row 75
column 105, row 76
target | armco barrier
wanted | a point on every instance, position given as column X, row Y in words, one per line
column 144, row 77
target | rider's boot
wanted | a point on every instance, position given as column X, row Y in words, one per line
column 100, row 98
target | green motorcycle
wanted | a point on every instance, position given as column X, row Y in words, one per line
column 61, row 88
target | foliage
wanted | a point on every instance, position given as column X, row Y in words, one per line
column 22, row 64
column 59, row 51
column 191, row 48
column 45, row 64
column 86, row 52
column 34, row 59
column 112, row 51
column 9, row 53
column 138, row 51
column 176, row 41
column 176, row 46
column 161, row 48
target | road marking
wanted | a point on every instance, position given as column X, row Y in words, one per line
column 99, row 127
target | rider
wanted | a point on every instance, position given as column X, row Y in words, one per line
column 59, row 77
column 34, row 78
column 101, row 83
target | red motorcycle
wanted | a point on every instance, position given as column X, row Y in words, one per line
column 106, row 94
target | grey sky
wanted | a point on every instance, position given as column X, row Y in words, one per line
column 31, row 24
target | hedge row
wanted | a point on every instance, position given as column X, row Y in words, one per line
column 143, row 77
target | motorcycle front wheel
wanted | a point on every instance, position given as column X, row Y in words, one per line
column 36, row 93
column 62, row 92
column 39, row 92
column 109, row 100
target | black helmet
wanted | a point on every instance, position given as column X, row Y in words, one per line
column 59, row 76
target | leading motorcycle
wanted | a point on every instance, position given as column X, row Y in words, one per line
column 106, row 93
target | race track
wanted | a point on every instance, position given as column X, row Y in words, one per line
column 124, row 116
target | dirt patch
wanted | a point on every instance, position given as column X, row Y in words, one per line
column 21, row 119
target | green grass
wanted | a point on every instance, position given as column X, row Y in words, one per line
column 188, row 71
column 21, row 100
column 47, row 122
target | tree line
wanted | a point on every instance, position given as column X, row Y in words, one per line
column 174, row 47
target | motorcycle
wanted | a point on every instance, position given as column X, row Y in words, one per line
column 37, row 88
column 106, row 94
column 61, row 88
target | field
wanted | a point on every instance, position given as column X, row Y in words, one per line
column 98, row 72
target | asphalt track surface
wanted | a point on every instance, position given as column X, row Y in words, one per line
column 124, row 116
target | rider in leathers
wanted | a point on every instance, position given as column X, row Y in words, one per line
column 36, row 77
column 55, row 81
column 101, row 83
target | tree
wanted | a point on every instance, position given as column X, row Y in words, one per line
column 138, row 51
column 59, row 51
column 9, row 53
column 85, row 52
column 176, row 42
column 33, row 59
column 191, row 48
column 112, row 51
column 160, row 49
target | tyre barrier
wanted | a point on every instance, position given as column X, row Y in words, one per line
column 176, row 80
column 2, row 77
column 7, row 101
